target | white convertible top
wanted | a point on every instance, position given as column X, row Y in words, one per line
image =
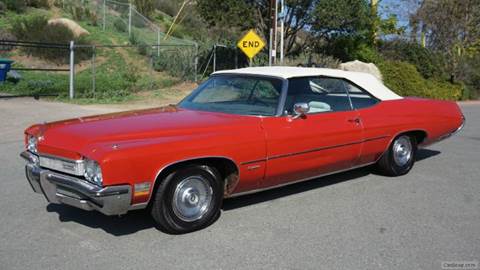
column 364, row 80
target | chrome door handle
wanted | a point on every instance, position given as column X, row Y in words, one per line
column 355, row 120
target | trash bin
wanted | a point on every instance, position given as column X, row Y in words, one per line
column 5, row 65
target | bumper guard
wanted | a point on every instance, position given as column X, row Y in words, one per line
column 64, row 189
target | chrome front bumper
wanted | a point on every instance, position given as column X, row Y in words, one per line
column 64, row 189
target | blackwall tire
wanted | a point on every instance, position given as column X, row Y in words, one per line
column 400, row 156
column 188, row 199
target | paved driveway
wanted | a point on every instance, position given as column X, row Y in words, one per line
column 353, row 220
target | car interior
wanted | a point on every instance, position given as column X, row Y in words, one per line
column 326, row 95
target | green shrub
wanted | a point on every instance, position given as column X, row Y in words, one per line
column 19, row 6
column 134, row 39
column 344, row 48
column 159, row 17
column 143, row 48
column 78, row 11
column 427, row 62
column 39, row 3
column 138, row 21
column 170, row 7
column 120, row 25
column 404, row 79
column 93, row 18
column 58, row 3
column 176, row 62
column 3, row 8
column 5, row 35
column 30, row 28
column 37, row 83
column 317, row 60
column 36, row 28
column 366, row 54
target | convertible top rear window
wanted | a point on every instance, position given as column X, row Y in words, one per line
column 236, row 94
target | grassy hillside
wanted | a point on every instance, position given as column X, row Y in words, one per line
column 121, row 74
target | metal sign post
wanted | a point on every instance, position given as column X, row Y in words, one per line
column 129, row 20
column 94, row 81
column 104, row 14
column 270, row 49
column 72, row 70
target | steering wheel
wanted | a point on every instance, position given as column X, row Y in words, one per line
column 255, row 100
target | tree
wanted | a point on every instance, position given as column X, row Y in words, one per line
column 298, row 17
column 451, row 27
column 241, row 15
column 146, row 7
column 226, row 13
column 331, row 19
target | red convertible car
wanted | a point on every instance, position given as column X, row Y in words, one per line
column 241, row 131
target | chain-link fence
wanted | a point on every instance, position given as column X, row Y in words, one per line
column 135, row 55
column 121, row 70
column 112, row 72
column 29, row 73
column 123, row 17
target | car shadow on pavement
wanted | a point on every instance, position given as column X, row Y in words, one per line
column 426, row 153
column 129, row 223
column 139, row 220
column 268, row 195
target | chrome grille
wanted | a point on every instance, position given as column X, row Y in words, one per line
column 75, row 167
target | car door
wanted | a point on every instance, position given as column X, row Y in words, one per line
column 327, row 139
column 376, row 124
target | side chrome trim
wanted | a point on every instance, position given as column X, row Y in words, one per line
column 314, row 150
column 298, row 181
column 253, row 161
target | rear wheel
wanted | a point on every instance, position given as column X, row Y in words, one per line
column 188, row 199
column 400, row 156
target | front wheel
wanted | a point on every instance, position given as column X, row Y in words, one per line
column 400, row 156
column 188, row 199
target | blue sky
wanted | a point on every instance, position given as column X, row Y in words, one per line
column 399, row 8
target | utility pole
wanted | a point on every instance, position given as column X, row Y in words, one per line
column 282, row 30
column 273, row 30
column 275, row 35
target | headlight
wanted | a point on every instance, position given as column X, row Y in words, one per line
column 93, row 172
column 32, row 144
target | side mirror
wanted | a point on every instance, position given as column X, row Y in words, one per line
column 300, row 109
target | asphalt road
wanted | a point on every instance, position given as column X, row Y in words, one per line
column 353, row 220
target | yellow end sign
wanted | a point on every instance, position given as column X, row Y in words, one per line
column 251, row 44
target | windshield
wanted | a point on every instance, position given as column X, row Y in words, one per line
column 245, row 95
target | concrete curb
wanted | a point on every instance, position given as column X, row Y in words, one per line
column 469, row 102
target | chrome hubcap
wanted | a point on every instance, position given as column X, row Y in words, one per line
column 192, row 198
column 402, row 150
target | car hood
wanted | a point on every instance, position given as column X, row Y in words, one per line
column 79, row 135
